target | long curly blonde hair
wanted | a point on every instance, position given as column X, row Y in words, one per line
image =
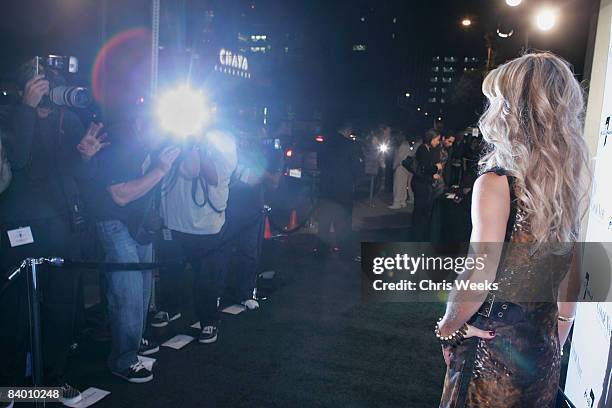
column 533, row 125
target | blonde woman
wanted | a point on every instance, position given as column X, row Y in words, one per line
column 504, row 351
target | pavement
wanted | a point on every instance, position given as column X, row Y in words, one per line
column 376, row 215
column 313, row 343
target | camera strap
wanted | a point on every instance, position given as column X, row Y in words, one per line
column 204, row 186
column 68, row 183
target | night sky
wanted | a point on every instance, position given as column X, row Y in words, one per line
column 325, row 73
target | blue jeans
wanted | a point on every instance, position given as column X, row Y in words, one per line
column 128, row 293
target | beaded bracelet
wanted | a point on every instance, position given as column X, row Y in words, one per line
column 453, row 339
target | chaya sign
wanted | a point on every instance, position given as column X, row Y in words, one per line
column 232, row 64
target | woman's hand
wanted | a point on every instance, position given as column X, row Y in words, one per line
column 471, row 332
column 447, row 352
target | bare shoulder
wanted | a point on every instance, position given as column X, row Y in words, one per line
column 492, row 186
column 490, row 208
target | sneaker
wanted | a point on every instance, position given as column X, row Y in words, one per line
column 161, row 319
column 395, row 207
column 208, row 335
column 137, row 373
column 250, row 304
column 70, row 396
column 147, row 347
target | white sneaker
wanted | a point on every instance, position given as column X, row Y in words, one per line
column 70, row 396
column 394, row 207
column 250, row 304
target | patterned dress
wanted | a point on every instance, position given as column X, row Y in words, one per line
column 520, row 367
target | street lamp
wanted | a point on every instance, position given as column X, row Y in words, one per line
column 407, row 94
column 513, row 3
column 546, row 19
column 466, row 22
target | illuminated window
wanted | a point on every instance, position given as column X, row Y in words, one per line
column 450, row 59
column 442, row 100
column 442, row 90
column 448, row 69
column 435, row 59
column 433, row 79
column 432, row 100
column 436, row 69
column 447, row 80
column 359, row 47
column 433, row 89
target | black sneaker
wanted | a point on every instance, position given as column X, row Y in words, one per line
column 161, row 319
column 147, row 347
column 208, row 335
column 70, row 396
column 137, row 373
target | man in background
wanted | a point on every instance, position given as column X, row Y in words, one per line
column 337, row 168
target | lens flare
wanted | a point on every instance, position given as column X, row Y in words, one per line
column 182, row 111
column 121, row 70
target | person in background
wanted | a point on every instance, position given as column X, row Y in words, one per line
column 422, row 185
column 49, row 152
column 400, row 174
column 193, row 203
column 415, row 143
column 442, row 155
column 124, row 205
column 337, row 168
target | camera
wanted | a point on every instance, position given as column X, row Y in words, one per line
column 60, row 63
column 60, row 94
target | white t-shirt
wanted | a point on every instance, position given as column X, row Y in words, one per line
column 179, row 211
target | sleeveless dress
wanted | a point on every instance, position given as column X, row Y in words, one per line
column 520, row 367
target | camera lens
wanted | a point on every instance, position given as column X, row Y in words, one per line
column 73, row 96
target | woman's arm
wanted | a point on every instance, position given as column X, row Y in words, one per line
column 490, row 212
column 568, row 294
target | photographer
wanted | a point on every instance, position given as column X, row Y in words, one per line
column 257, row 171
column 194, row 199
column 49, row 152
column 124, row 203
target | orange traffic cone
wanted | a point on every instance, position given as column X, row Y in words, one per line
column 267, row 229
column 293, row 221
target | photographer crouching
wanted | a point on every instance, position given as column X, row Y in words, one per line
column 50, row 154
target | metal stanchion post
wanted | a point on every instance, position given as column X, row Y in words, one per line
column 371, row 191
column 32, row 276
